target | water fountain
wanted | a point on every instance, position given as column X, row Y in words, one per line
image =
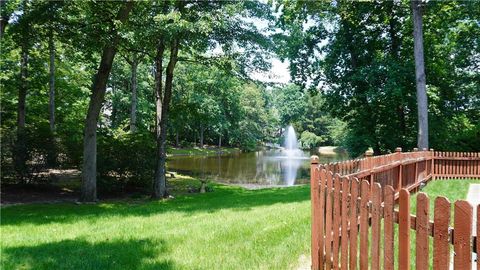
column 291, row 144
column 292, row 155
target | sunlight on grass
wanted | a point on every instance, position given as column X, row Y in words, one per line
column 230, row 228
column 451, row 189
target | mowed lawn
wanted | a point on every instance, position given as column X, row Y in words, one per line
column 451, row 189
column 230, row 228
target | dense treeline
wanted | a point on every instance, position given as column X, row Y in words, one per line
column 360, row 56
column 108, row 86
column 112, row 77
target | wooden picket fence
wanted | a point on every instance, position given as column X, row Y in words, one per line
column 353, row 200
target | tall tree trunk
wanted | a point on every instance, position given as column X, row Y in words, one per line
column 89, row 172
column 133, row 111
column 4, row 17
column 20, row 145
column 114, row 110
column 160, row 183
column 52, row 153
column 219, row 140
column 51, row 103
column 422, row 102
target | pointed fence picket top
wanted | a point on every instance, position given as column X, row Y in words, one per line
column 354, row 213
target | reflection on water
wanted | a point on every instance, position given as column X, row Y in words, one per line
column 266, row 167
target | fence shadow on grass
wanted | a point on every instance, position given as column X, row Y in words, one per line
column 80, row 254
column 223, row 197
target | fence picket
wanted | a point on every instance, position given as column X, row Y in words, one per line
column 389, row 201
column 404, row 230
column 336, row 220
column 376, row 201
column 364, row 202
column 328, row 222
column 462, row 234
column 353, row 224
column 314, row 170
column 344, row 237
column 423, row 218
column 321, row 219
column 441, row 245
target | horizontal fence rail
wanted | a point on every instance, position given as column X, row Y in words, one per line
column 356, row 223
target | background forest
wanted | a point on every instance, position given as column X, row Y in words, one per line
column 111, row 87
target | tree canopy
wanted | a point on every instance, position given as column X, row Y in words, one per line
column 109, row 87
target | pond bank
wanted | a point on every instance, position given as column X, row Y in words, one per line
column 197, row 151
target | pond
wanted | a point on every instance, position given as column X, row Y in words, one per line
column 266, row 167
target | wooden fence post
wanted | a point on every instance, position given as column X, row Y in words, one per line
column 404, row 231
column 416, row 167
column 398, row 150
column 368, row 156
column 432, row 168
column 315, row 211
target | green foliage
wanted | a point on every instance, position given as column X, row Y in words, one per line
column 218, row 104
column 308, row 114
column 125, row 160
column 309, row 140
column 218, row 48
column 290, row 104
column 360, row 55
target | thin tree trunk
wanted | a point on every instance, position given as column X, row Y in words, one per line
column 202, row 129
column 52, row 153
column 20, row 146
column 3, row 18
column 422, row 102
column 89, row 172
column 51, row 103
column 159, row 187
column 133, row 111
column 113, row 114
column 219, row 140
column 160, row 183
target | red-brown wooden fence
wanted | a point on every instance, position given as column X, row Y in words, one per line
column 352, row 200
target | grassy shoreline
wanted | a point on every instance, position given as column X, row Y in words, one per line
column 230, row 228
column 197, row 151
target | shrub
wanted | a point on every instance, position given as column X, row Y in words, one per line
column 125, row 160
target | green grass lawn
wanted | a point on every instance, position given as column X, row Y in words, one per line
column 230, row 228
column 453, row 190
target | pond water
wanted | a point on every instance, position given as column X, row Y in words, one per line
column 266, row 167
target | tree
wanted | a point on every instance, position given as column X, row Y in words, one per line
column 422, row 101
column 162, row 105
column 23, row 38
column 89, row 172
column 194, row 27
